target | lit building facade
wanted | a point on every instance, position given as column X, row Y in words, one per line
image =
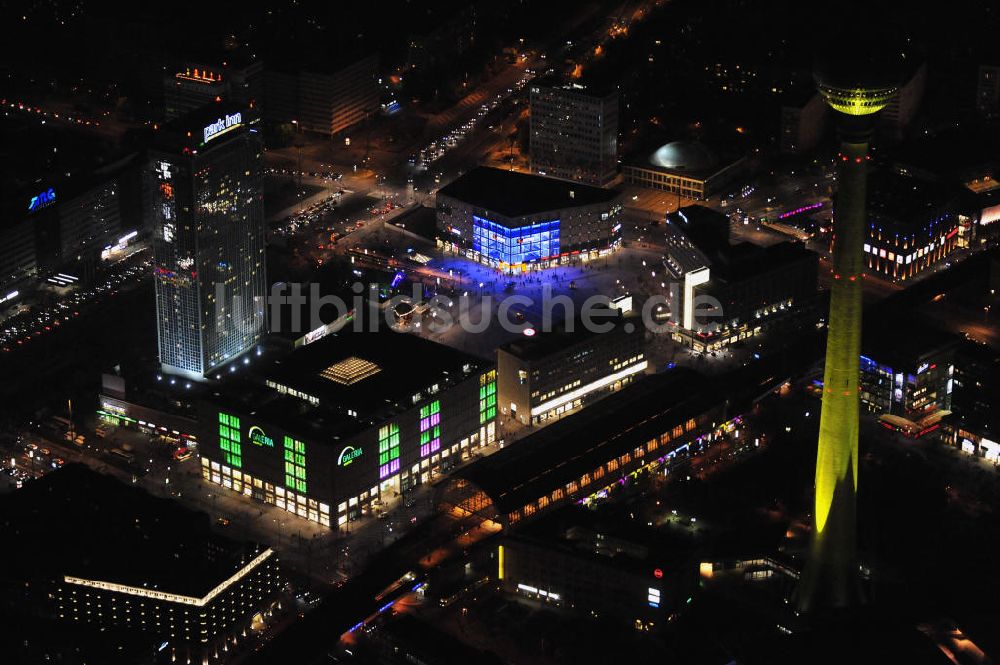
column 341, row 429
column 574, row 133
column 134, row 561
column 908, row 382
column 516, row 222
column 198, row 626
column 204, row 187
column 553, row 374
column 974, row 427
column 728, row 292
column 913, row 226
column 67, row 225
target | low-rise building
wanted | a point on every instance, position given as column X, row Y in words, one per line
column 731, row 292
column 85, row 548
column 690, row 169
column 907, row 378
column 576, row 561
column 551, row 374
column 645, row 427
column 517, row 222
column 913, row 225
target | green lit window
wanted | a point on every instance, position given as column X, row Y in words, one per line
column 295, row 464
column 388, row 450
column 487, row 396
column 229, row 440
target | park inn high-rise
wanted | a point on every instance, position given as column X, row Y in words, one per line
column 204, row 182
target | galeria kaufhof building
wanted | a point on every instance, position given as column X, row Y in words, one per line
column 348, row 423
column 516, row 222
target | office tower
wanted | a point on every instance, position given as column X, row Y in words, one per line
column 207, row 213
column 574, row 133
column 856, row 91
column 325, row 99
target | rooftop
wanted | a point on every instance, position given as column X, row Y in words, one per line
column 559, row 338
column 906, row 200
column 514, row 194
column 204, row 127
column 684, row 156
column 609, row 538
column 77, row 522
column 695, row 159
column 589, row 85
column 882, row 342
column 370, row 374
column 563, row 451
column 707, row 234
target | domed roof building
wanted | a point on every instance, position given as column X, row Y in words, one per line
column 688, row 168
column 683, row 156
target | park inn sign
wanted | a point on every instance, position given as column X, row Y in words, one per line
column 223, row 125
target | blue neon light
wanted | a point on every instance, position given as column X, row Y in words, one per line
column 41, row 200
column 525, row 244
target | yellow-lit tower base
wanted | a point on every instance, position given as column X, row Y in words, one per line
column 830, row 579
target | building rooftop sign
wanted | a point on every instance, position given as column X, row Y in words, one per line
column 43, row 199
column 223, row 125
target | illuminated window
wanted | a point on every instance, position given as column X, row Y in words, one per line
column 229, row 440
column 487, row 396
column 514, row 246
column 295, row 464
column 388, row 450
column 430, row 428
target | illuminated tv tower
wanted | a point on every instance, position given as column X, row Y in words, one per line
column 856, row 91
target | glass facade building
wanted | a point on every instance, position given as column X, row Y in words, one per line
column 515, row 246
column 208, row 240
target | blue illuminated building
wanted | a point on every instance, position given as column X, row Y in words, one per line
column 514, row 246
column 516, row 222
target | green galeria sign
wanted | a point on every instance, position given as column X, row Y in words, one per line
column 259, row 438
column 348, row 455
